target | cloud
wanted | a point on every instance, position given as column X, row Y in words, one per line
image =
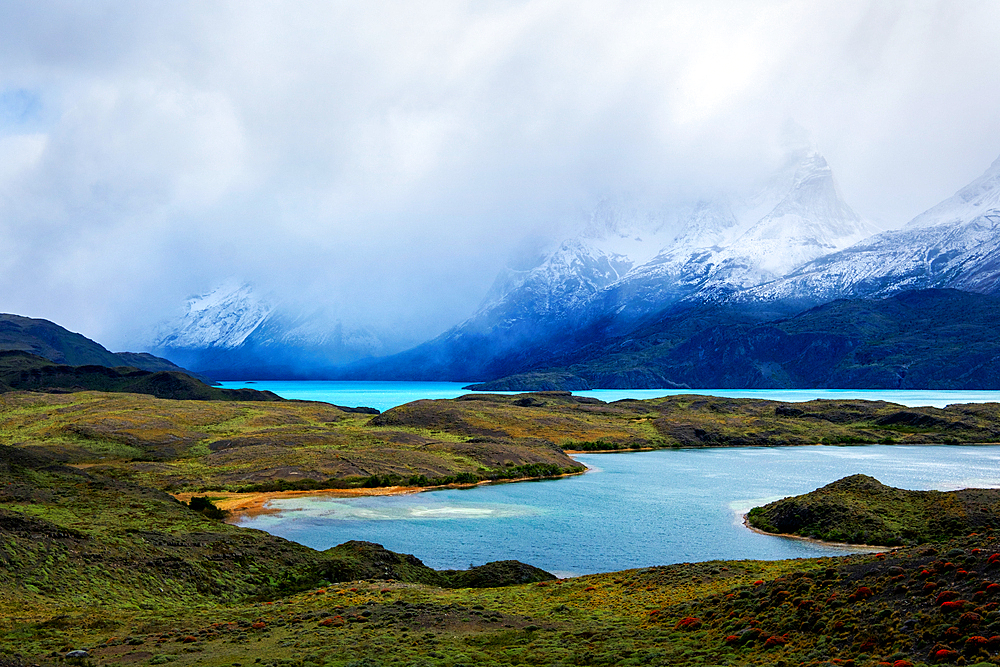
column 383, row 159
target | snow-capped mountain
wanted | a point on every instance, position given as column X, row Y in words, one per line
column 233, row 332
column 630, row 262
column 616, row 238
column 791, row 244
column 223, row 317
column 955, row 244
column 797, row 217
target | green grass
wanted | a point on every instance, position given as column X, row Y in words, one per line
column 860, row 510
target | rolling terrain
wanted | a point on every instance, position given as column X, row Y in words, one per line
column 99, row 563
column 23, row 371
column 198, row 446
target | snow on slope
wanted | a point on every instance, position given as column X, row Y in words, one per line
column 972, row 201
column 955, row 244
column 221, row 318
column 810, row 221
column 616, row 236
column 634, row 261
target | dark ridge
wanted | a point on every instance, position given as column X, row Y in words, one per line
column 23, row 371
column 53, row 342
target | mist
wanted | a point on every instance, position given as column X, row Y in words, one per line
column 383, row 161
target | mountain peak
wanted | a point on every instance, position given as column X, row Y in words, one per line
column 979, row 197
column 222, row 317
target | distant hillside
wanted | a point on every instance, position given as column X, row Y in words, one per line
column 927, row 339
column 53, row 342
column 29, row 372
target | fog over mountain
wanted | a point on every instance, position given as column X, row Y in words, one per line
column 371, row 168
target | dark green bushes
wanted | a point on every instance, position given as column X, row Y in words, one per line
column 203, row 505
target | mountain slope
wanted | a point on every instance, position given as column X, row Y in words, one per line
column 232, row 332
column 930, row 339
column 630, row 264
column 798, row 217
column 955, row 244
column 53, row 342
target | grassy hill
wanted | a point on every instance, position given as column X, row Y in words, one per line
column 245, row 446
column 195, row 446
column 94, row 555
column 861, row 510
column 61, row 346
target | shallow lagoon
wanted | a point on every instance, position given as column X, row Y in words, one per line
column 631, row 510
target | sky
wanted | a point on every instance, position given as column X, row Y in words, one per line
column 383, row 160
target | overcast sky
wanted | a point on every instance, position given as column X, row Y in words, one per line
column 384, row 158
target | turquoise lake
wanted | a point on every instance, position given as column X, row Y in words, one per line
column 385, row 395
column 631, row 510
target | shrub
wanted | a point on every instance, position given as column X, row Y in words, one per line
column 945, row 655
column 862, row 593
column 688, row 623
column 945, row 596
column 203, row 505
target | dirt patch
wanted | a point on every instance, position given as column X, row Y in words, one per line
column 255, row 503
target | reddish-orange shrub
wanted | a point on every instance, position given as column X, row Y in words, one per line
column 970, row 618
column 688, row 623
column 945, row 655
column 862, row 593
column 945, row 596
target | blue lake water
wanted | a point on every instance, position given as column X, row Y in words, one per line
column 385, row 395
column 631, row 510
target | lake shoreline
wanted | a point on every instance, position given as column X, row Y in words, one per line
column 864, row 548
column 251, row 504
